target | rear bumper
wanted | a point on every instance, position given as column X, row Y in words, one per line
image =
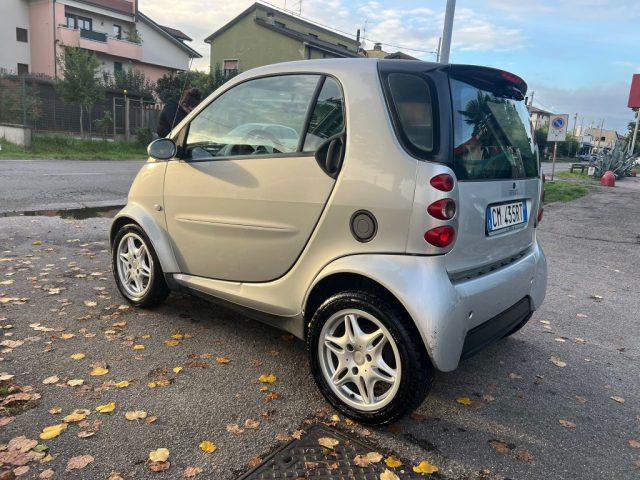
column 455, row 318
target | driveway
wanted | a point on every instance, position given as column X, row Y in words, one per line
column 27, row 185
column 558, row 400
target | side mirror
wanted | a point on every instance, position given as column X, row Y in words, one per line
column 162, row 149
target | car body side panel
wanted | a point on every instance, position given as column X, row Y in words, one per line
column 145, row 194
column 376, row 176
column 444, row 311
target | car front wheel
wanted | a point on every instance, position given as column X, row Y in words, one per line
column 136, row 268
column 367, row 359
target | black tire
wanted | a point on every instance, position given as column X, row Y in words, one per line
column 417, row 370
column 158, row 289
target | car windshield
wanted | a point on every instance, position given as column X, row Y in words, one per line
column 492, row 134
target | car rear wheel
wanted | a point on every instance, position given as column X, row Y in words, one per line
column 136, row 268
column 366, row 359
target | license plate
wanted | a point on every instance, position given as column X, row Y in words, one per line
column 506, row 216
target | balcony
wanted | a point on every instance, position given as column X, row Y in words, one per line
column 91, row 35
column 99, row 42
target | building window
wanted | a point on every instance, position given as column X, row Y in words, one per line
column 230, row 67
column 22, row 35
column 117, row 32
column 79, row 23
column 23, row 69
column 117, row 67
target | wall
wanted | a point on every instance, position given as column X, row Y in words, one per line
column 254, row 46
column 14, row 13
column 43, row 50
column 16, row 134
column 159, row 50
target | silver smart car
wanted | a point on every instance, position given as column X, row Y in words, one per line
column 384, row 211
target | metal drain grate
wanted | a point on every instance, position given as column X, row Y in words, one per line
column 307, row 459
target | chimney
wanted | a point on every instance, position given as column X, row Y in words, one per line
column 377, row 47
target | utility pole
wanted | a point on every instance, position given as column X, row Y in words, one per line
column 531, row 98
column 448, row 30
column 600, row 135
column 575, row 123
column 635, row 133
column 439, row 49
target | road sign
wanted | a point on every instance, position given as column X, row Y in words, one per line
column 634, row 92
column 557, row 128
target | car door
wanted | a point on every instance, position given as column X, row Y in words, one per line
column 243, row 201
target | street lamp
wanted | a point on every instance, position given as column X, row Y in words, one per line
column 448, row 30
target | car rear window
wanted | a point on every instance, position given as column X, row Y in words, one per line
column 412, row 107
column 492, row 134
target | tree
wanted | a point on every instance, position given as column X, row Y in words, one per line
column 19, row 101
column 81, row 82
column 131, row 80
column 541, row 139
column 171, row 85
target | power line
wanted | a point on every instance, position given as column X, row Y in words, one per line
column 351, row 35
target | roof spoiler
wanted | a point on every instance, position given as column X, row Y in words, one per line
column 486, row 77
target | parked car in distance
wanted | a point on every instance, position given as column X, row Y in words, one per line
column 396, row 233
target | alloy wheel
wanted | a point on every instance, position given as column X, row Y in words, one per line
column 359, row 360
column 134, row 265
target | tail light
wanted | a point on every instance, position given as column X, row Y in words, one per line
column 440, row 236
column 443, row 209
column 442, row 182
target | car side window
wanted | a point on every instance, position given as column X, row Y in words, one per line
column 327, row 118
column 411, row 98
column 265, row 116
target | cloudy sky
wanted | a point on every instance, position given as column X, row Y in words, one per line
column 576, row 55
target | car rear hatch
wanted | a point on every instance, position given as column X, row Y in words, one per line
column 496, row 165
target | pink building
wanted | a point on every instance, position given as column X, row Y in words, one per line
column 119, row 34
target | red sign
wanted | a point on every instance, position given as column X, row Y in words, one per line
column 634, row 94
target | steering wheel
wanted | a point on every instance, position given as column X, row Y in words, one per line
column 264, row 135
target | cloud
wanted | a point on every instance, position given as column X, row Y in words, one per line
column 608, row 101
column 416, row 28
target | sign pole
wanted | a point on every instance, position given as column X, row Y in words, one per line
column 635, row 134
column 553, row 165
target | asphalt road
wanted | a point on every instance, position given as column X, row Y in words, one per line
column 518, row 397
column 27, row 185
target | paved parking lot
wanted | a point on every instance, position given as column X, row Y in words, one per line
column 559, row 400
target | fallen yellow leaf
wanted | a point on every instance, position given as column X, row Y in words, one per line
column 389, row 475
column 136, row 415
column 138, row 347
column 267, row 378
column 464, row 401
column 119, row 324
column 222, row 360
column 77, row 356
column 425, row 467
column 171, row 343
column 159, row 455
column 207, row 447
column 177, row 369
column 99, row 371
column 328, row 442
column 392, row 462
column 67, row 336
column 107, row 408
column 53, row 431
column 122, row 384
column 75, row 382
column 76, row 416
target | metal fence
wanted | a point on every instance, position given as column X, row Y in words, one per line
column 34, row 102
